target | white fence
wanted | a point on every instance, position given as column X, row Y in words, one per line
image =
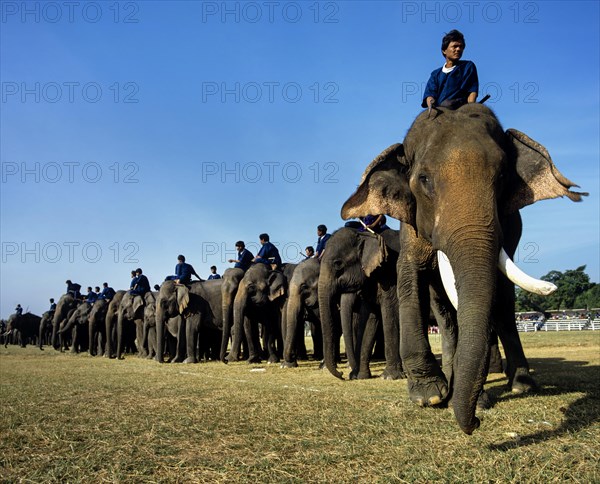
column 559, row 325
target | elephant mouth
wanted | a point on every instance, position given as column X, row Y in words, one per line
column 506, row 266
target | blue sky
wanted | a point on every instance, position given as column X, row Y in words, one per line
column 132, row 132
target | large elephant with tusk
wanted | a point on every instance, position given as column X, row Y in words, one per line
column 457, row 183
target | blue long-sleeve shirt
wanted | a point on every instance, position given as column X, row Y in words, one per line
column 107, row 293
column 321, row 244
column 244, row 259
column 184, row 272
column 457, row 84
column 269, row 251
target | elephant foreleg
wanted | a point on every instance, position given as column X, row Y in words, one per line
column 191, row 336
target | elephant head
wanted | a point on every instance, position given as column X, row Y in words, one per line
column 258, row 293
column 302, row 296
column 130, row 313
column 457, row 184
column 66, row 303
column 172, row 300
column 350, row 259
column 97, row 324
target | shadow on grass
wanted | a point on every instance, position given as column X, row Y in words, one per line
column 557, row 376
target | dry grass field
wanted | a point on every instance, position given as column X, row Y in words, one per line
column 66, row 418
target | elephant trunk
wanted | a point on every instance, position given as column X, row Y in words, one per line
column 476, row 276
column 58, row 317
column 326, row 306
column 227, row 323
column 160, row 332
column 292, row 319
column 347, row 301
column 108, row 320
column 68, row 325
column 120, row 341
column 91, row 330
column 239, row 304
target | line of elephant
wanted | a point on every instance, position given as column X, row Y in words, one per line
column 457, row 183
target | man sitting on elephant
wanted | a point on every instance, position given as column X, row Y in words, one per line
column 374, row 223
column 141, row 284
column 73, row 289
column 268, row 253
column 107, row 292
column 245, row 257
column 322, row 241
column 91, row 296
column 183, row 272
column 456, row 82
column 52, row 305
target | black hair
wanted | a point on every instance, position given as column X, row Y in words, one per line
column 310, row 248
column 181, row 258
column 213, row 267
column 133, row 273
column 322, row 228
column 68, row 281
column 453, row 36
column 51, row 299
column 105, row 284
column 264, row 237
column 240, row 243
column 138, row 270
column 89, row 288
column 96, row 288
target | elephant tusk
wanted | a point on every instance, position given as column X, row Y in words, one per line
column 524, row 281
column 447, row 275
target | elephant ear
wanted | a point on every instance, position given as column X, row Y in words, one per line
column 183, row 298
column 536, row 177
column 373, row 252
column 384, row 189
column 276, row 282
column 137, row 303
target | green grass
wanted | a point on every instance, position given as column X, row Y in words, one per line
column 67, row 418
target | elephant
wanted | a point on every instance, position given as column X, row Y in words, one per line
column 200, row 308
column 302, row 304
column 77, row 324
column 97, row 327
column 110, row 324
column 231, row 281
column 457, row 183
column 259, row 299
column 24, row 328
column 66, row 304
column 130, row 324
column 45, row 329
column 361, row 262
column 149, row 333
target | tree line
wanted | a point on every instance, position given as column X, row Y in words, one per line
column 575, row 291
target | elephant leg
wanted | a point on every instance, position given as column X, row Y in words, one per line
column 366, row 343
column 517, row 367
column 74, row 340
column 317, row 337
column 191, row 336
column 139, row 338
column 495, row 356
column 346, row 313
column 181, row 344
column 427, row 384
column 445, row 315
column 301, row 353
column 252, row 339
column 391, row 333
column 271, row 337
